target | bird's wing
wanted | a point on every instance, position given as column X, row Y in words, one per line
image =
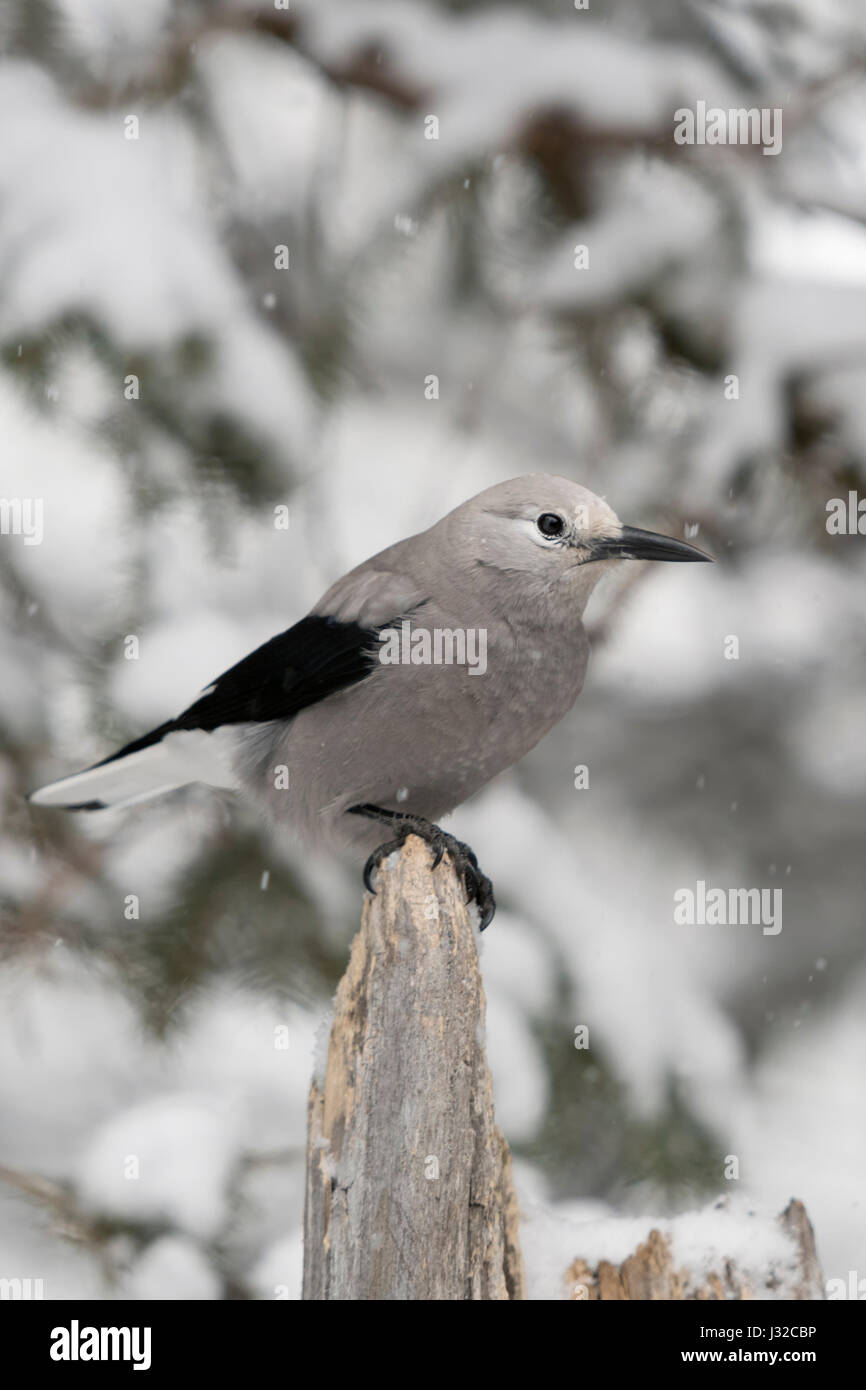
column 299, row 667
column 323, row 653
column 335, row 646
column 375, row 594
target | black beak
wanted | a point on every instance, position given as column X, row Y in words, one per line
column 634, row 544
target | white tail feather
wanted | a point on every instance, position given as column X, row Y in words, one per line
column 180, row 758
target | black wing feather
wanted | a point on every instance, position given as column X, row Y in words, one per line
column 314, row 659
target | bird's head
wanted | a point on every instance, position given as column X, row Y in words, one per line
column 547, row 528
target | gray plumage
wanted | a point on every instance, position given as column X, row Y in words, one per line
column 417, row 739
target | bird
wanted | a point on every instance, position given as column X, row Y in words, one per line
column 416, row 679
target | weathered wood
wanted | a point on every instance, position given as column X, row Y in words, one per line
column 409, row 1189
column 794, row 1220
column 650, row 1273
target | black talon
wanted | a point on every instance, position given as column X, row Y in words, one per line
column 376, row 858
column 480, row 890
column 476, row 885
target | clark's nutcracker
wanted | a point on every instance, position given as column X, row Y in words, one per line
column 417, row 678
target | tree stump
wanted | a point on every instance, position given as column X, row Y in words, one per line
column 409, row 1190
column 651, row 1273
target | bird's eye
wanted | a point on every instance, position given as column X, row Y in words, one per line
column 550, row 525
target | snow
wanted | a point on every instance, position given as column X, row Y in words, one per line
column 166, row 1150
column 89, row 206
column 277, row 1274
column 837, row 764
column 165, row 1162
column 603, row 78
column 702, row 1242
column 251, row 86
column 684, row 658
column 808, row 1123
column 84, row 506
column 825, row 244
column 662, row 201
column 175, row 661
column 595, row 923
column 111, row 36
column 516, row 970
column 172, row 1267
column 150, row 862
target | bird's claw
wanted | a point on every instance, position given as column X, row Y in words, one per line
column 375, row 859
column 476, row 885
column 479, row 890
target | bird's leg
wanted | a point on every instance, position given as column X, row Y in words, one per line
column 478, row 887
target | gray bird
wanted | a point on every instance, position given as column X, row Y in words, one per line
column 418, row 677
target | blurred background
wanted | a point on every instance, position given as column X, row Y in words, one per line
column 324, row 258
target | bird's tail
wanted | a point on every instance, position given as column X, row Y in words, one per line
column 159, row 762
